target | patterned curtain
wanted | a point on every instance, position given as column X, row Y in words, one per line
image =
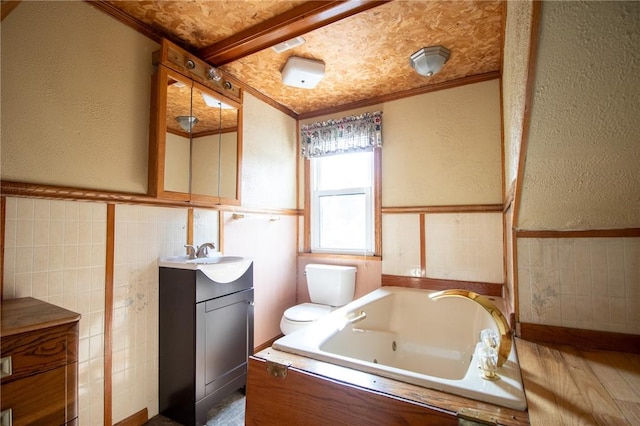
column 349, row 134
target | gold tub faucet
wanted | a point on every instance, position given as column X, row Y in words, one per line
column 504, row 349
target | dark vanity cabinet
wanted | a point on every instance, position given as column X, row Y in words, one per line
column 205, row 339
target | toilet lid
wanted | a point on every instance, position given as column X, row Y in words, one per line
column 306, row 312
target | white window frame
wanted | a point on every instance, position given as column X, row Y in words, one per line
column 315, row 215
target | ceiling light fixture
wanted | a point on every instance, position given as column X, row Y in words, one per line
column 187, row 122
column 302, row 72
column 213, row 102
column 429, row 60
column 287, row 45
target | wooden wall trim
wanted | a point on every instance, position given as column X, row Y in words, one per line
column 108, row 313
column 516, row 279
column 36, row 190
column 136, row 419
column 299, row 186
column 581, row 338
column 189, row 226
column 139, row 26
column 423, row 246
column 264, row 98
column 472, row 208
column 377, row 201
column 266, row 344
column 487, row 289
column 478, row 78
column 307, row 205
column 3, row 225
column 7, row 7
column 588, row 233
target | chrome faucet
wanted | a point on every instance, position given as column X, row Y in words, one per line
column 203, row 250
column 504, row 349
column 191, row 251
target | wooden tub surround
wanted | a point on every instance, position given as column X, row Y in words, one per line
column 283, row 388
column 565, row 385
column 39, row 363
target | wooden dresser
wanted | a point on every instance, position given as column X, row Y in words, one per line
column 39, row 351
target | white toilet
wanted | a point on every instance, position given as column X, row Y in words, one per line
column 330, row 286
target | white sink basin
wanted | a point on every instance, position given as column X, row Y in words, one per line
column 222, row 269
column 184, row 260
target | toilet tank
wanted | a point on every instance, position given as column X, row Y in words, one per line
column 332, row 285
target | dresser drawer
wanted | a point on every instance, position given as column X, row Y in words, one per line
column 37, row 351
column 37, row 400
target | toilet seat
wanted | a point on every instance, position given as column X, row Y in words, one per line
column 307, row 312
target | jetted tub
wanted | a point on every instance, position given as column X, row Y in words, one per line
column 409, row 337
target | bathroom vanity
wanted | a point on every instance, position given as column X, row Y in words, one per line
column 205, row 334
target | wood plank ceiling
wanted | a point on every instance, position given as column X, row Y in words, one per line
column 365, row 45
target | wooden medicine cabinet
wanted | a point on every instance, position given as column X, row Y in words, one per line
column 196, row 160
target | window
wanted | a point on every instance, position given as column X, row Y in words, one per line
column 342, row 184
column 342, row 203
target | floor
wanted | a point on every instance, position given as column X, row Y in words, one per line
column 570, row 386
column 230, row 412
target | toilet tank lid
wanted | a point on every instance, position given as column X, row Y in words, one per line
column 325, row 266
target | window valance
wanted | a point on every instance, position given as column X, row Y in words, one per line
column 349, row 134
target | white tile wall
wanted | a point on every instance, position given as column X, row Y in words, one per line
column 589, row 283
column 458, row 246
column 464, row 246
column 142, row 235
column 55, row 251
column 206, row 227
column 401, row 245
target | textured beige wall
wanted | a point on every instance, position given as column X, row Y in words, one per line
column 268, row 156
column 176, row 167
column 75, row 102
column 583, row 157
column 514, row 83
column 443, row 148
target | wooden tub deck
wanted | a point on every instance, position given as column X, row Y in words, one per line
column 563, row 384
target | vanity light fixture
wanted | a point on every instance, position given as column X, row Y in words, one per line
column 302, row 72
column 213, row 102
column 429, row 60
column 187, row 122
column 214, row 74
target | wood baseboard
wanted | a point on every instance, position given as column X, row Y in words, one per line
column 137, row 419
column 585, row 339
column 487, row 289
column 266, row 344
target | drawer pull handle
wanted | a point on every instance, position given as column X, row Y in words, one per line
column 5, row 369
column 6, row 417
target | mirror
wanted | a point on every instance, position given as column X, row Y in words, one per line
column 198, row 142
column 177, row 156
column 214, row 148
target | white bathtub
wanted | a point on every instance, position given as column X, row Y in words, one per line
column 409, row 337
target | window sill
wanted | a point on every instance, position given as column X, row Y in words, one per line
column 341, row 256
